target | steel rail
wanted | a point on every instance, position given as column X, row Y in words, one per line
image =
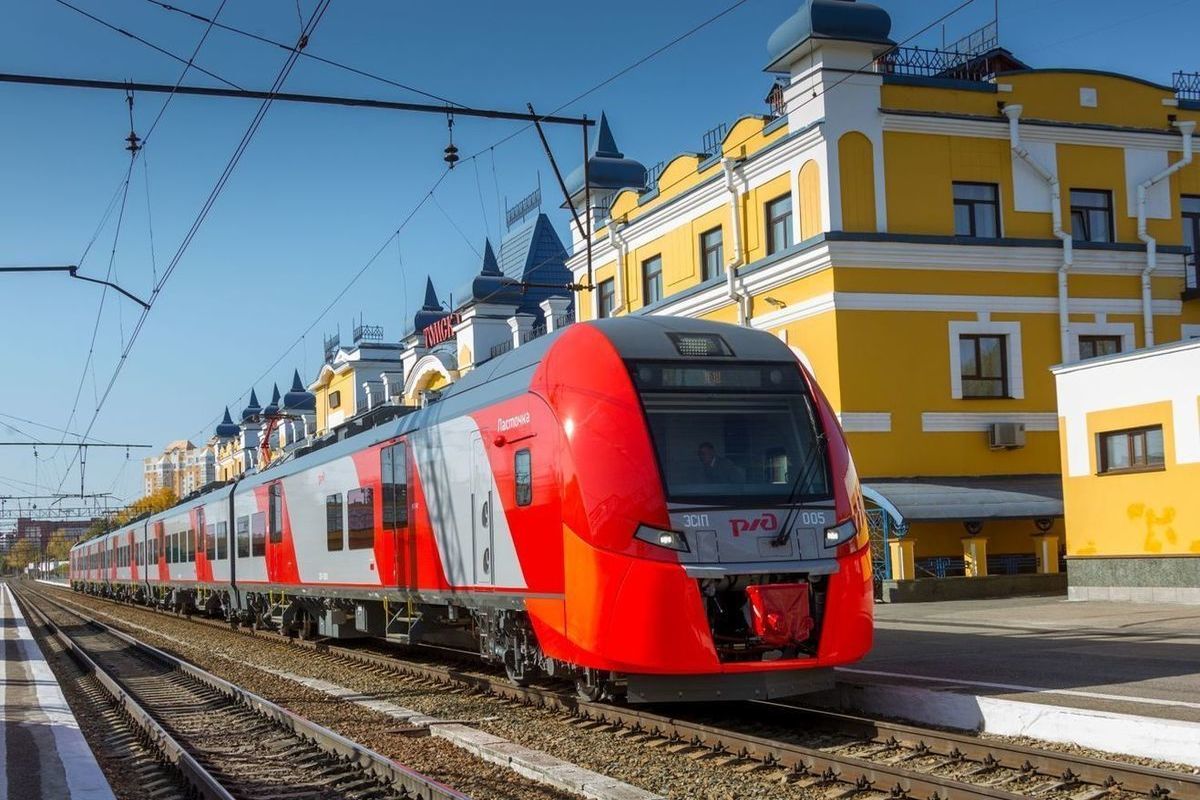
column 898, row 781
column 1085, row 769
column 418, row 786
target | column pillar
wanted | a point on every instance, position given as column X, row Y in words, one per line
column 520, row 325
column 553, row 307
column 904, row 562
column 1045, row 547
column 975, row 556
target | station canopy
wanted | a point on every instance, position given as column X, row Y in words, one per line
column 970, row 498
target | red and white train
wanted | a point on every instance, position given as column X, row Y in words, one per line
column 655, row 506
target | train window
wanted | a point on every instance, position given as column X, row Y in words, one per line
column 275, row 511
column 191, row 545
column 360, row 504
column 243, row 537
column 222, row 541
column 335, row 527
column 171, row 548
column 210, row 542
column 258, row 534
column 523, row 471
column 393, row 470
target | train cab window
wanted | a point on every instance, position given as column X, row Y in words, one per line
column 258, row 534
column 393, row 470
column 275, row 511
column 335, row 526
column 210, row 542
column 222, row 541
column 523, row 475
column 243, row 537
column 733, row 433
column 360, row 505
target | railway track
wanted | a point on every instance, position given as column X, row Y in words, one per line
column 224, row 742
column 858, row 757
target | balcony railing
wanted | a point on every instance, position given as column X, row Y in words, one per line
column 929, row 63
column 501, row 348
column 1187, row 85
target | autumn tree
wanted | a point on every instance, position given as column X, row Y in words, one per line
column 59, row 546
column 23, row 553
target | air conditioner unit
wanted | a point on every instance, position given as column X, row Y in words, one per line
column 1006, row 435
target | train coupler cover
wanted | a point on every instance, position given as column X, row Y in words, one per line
column 779, row 613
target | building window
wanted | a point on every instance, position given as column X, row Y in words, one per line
column 334, row 526
column 393, row 470
column 1091, row 215
column 258, row 534
column 1095, row 346
column 652, row 280
column 523, row 470
column 607, row 299
column 335, row 398
column 1133, row 450
column 779, row 224
column 243, row 537
column 983, row 364
column 977, row 210
column 712, row 255
column 275, row 509
column 361, row 512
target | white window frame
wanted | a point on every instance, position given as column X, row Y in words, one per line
column 1123, row 329
column 1012, row 333
column 1187, row 332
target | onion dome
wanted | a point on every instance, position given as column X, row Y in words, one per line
column 492, row 285
column 252, row 410
column 227, row 429
column 431, row 312
column 845, row 20
column 298, row 398
column 608, row 168
column 272, row 407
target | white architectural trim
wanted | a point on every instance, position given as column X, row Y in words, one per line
column 428, row 365
column 1100, row 328
column 996, row 304
column 821, row 304
column 1012, row 333
column 998, row 129
column 971, row 421
column 1188, row 332
column 866, row 421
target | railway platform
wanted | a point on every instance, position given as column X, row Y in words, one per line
column 42, row 752
column 1106, row 675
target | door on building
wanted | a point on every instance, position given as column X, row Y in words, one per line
column 482, row 512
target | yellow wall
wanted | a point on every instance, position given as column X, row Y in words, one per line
column 856, row 167
column 1146, row 513
column 810, row 200
column 343, row 383
column 1004, row 537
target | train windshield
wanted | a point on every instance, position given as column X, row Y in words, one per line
column 733, row 434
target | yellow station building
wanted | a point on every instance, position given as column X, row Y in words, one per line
column 932, row 232
column 1130, row 439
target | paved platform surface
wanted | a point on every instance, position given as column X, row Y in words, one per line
column 43, row 755
column 1116, row 676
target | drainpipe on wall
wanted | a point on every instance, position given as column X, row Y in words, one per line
column 743, row 302
column 618, row 244
column 1013, row 112
column 1187, row 129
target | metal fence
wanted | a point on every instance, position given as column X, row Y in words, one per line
column 1187, row 85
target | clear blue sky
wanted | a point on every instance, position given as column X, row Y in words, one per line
column 319, row 189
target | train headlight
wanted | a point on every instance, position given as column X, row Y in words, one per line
column 840, row 534
column 672, row 540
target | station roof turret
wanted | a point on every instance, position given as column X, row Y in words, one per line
column 253, row 409
column 272, row 408
column 845, row 20
column 431, row 311
column 227, row 429
column 298, row 398
column 608, row 168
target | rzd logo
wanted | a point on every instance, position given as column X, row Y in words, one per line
column 766, row 522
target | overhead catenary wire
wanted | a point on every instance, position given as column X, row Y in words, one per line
column 146, row 42
column 305, row 54
column 216, row 191
column 122, row 190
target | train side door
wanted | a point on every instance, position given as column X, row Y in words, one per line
column 393, row 472
column 482, row 512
